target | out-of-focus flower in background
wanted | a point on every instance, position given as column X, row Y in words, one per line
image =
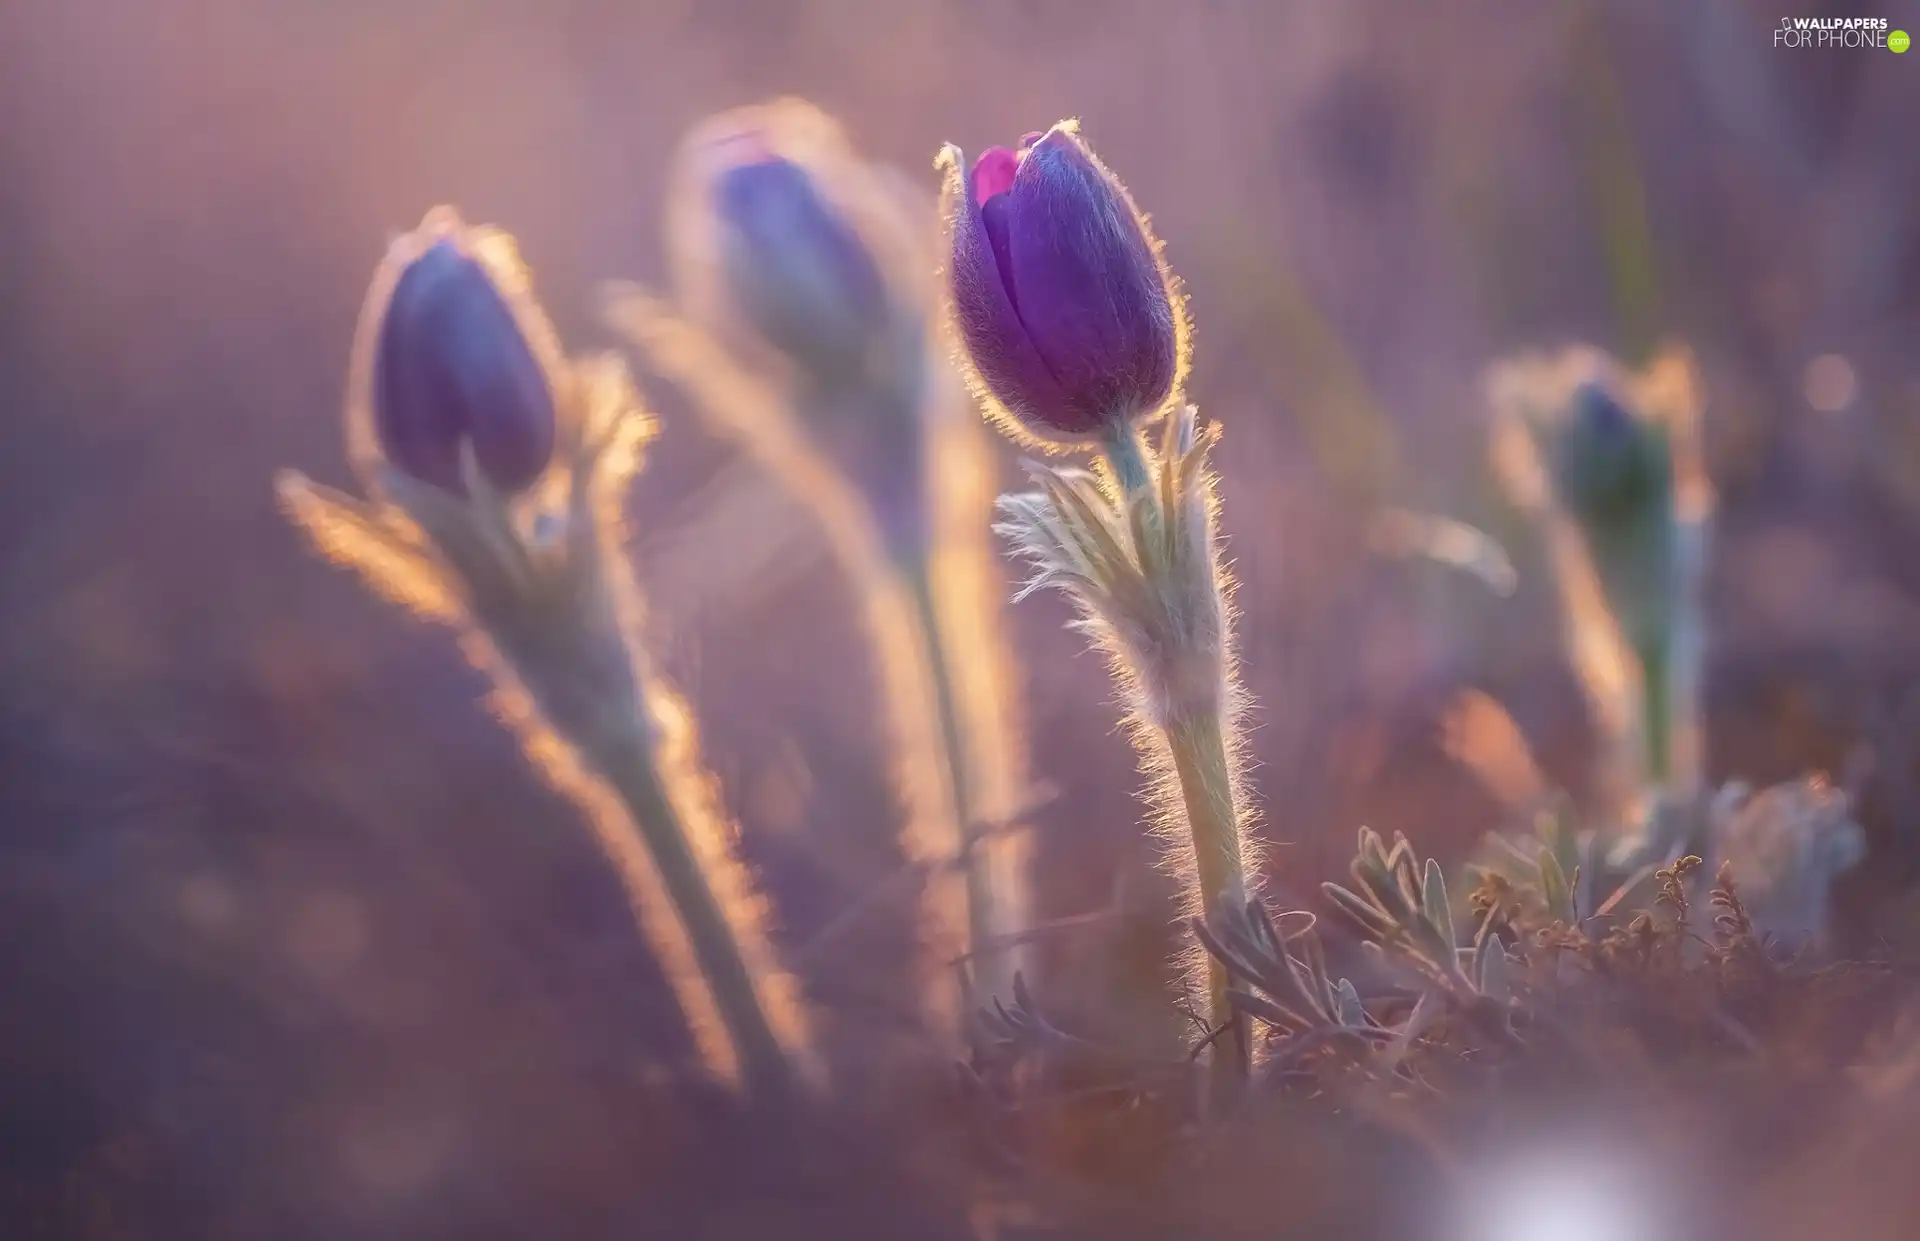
column 1607, row 463
column 811, row 267
column 799, row 273
column 453, row 367
column 1613, row 469
column 522, row 551
column 804, row 280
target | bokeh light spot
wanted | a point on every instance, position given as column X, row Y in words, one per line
column 1830, row 384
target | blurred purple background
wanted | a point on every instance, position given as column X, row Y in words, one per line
column 292, row 942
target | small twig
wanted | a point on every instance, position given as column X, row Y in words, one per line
column 895, row 885
column 1019, row 819
column 1014, row 939
column 1211, row 1038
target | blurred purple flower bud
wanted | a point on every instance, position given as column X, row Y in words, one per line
column 1601, row 414
column 798, row 271
column 1612, row 465
column 1069, row 317
column 452, row 366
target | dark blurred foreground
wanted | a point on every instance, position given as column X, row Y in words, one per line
column 294, row 943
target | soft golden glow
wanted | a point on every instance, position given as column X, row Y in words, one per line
column 1602, row 662
column 495, row 251
column 755, row 413
column 970, row 589
column 1478, row 734
column 539, row 586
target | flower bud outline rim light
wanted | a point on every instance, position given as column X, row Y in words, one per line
column 498, row 256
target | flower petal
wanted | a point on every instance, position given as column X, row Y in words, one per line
column 1007, row 365
column 452, row 365
column 1089, row 285
column 993, row 174
column 802, row 275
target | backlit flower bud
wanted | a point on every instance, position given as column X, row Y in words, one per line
column 798, row 272
column 1068, row 316
column 452, row 366
column 814, row 268
column 784, row 238
column 1611, row 464
column 1613, row 469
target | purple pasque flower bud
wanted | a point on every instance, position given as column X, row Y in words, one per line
column 798, row 270
column 451, row 365
column 787, row 242
column 1612, row 464
column 1069, row 318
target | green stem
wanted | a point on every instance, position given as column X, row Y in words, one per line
column 1656, row 711
column 1600, row 656
column 982, row 903
column 591, row 685
column 1197, row 740
column 633, row 772
column 1121, row 445
column 1686, row 655
column 1200, row 760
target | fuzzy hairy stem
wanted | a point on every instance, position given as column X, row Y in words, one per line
column 1124, row 451
column 590, row 685
column 633, row 772
column 1201, row 762
column 1195, row 732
